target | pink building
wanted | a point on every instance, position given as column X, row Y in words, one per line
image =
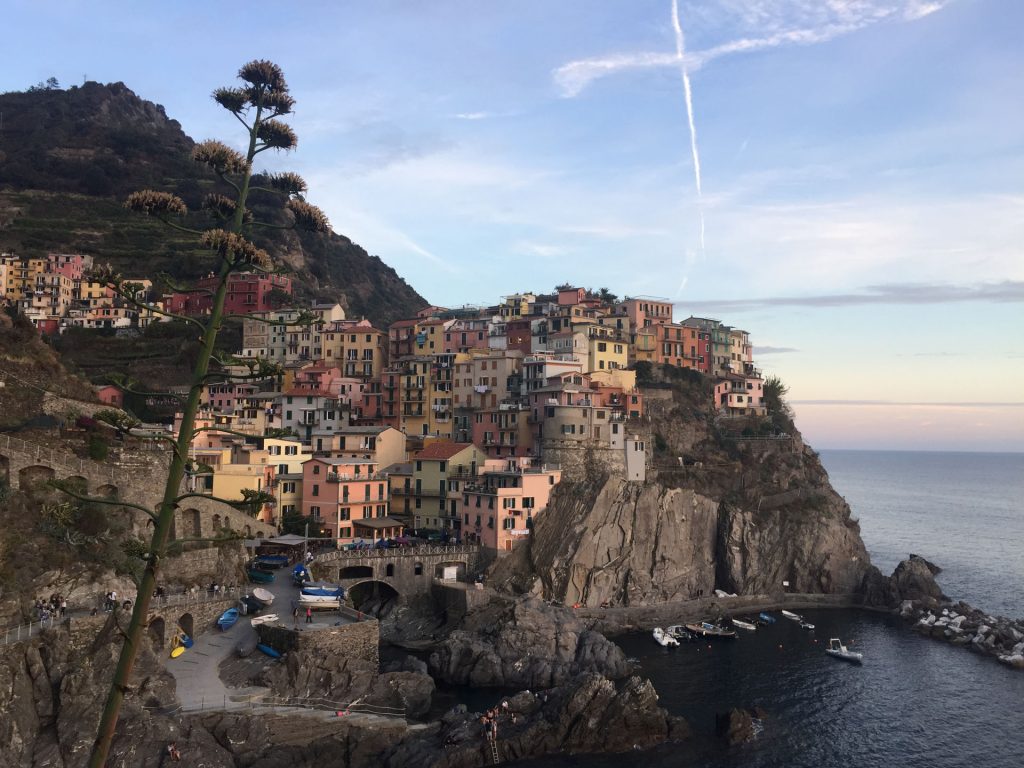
column 71, row 265
column 499, row 508
column 502, row 432
column 248, row 293
column 348, row 499
column 464, row 335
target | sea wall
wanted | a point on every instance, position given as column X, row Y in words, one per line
column 359, row 640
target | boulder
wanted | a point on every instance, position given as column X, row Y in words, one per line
column 914, row 579
column 738, row 725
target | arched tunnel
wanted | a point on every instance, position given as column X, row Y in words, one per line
column 374, row 598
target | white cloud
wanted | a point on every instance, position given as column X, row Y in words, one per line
column 760, row 25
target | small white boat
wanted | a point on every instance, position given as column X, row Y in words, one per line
column 723, row 593
column 257, row 620
column 806, row 625
column 679, row 632
column 744, row 625
column 792, row 616
column 840, row 651
column 319, row 602
column 661, row 637
column 265, row 596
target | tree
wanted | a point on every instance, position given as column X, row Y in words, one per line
column 261, row 98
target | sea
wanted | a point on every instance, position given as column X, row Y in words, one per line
column 915, row 702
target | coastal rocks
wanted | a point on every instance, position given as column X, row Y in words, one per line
column 914, row 579
column 524, row 643
column 960, row 624
column 739, row 725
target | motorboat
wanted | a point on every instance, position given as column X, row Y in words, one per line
column 792, row 616
column 806, row 625
column 723, row 593
column 265, row 596
column 228, row 619
column 743, row 624
column 840, row 651
column 661, row 637
column 707, row 629
column 319, row 602
column 258, row 576
column 679, row 632
column 271, row 561
column 322, row 589
column 767, row 618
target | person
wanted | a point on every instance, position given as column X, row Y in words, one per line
column 309, row 615
column 173, row 752
column 295, row 616
column 63, row 608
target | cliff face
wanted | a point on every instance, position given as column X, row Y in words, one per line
column 716, row 512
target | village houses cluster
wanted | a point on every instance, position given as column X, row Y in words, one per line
column 454, row 422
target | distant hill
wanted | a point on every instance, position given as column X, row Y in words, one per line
column 69, row 157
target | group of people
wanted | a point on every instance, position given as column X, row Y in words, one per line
column 110, row 602
column 56, row 606
column 489, row 719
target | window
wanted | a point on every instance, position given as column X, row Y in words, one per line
column 508, row 523
column 419, row 466
column 367, row 512
column 316, row 490
column 315, row 512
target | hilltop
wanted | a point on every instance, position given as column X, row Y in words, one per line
column 69, row 157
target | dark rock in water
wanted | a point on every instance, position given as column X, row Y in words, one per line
column 738, row 725
column 408, row 664
column 524, row 643
column 914, row 579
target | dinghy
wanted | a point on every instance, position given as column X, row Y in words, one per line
column 319, row 602
column 265, row 596
column 322, row 589
column 257, row 620
column 837, row 650
column 767, row 618
column 260, row 577
column 228, row 619
column 707, row 629
column 749, row 626
column 662, row 638
column 678, row 631
column 268, row 650
column 792, row 616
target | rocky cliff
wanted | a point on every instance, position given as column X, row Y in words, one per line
column 720, row 510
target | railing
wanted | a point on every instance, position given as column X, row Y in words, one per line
column 261, row 702
column 429, row 549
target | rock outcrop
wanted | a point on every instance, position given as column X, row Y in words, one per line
column 524, row 643
column 739, row 725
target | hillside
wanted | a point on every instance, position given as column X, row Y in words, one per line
column 69, row 157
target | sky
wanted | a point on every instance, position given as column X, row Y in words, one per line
column 841, row 178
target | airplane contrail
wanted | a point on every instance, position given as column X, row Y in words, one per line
column 688, row 93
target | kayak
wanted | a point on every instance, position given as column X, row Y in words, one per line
column 268, row 650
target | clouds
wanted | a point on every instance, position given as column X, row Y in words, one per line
column 761, row 26
column 892, row 294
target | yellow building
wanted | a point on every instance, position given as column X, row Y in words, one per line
column 435, row 469
column 414, row 387
column 356, row 348
column 607, row 348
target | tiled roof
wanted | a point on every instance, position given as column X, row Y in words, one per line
column 442, row 450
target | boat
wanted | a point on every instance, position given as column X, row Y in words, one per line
column 260, row 577
column 840, row 651
column 806, row 625
column 679, row 632
column 274, row 561
column 300, row 574
column 257, row 620
column 322, row 589
column 744, row 624
column 228, row 619
column 319, row 602
column 248, row 604
column 723, row 593
column 263, row 595
column 707, row 629
column 767, row 618
column 792, row 616
column 268, row 650
column 245, row 647
column 661, row 637
column 180, row 644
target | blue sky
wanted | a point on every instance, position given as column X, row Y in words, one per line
column 861, row 166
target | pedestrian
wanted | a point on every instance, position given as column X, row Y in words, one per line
column 295, row 616
column 309, row 615
column 63, row 608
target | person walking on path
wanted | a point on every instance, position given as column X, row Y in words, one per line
column 309, row 615
column 295, row 616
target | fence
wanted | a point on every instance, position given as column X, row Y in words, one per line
column 265, row 702
column 384, row 552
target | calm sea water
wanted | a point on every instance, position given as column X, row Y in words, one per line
column 962, row 511
column 915, row 702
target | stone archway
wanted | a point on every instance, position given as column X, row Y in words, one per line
column 156, row 630
column 76, row 483
column 356, row 572
column 187, row 624
column 108, row 491
column 375, row 598
column 34, row 476
column 5, row 470
column 192, row 523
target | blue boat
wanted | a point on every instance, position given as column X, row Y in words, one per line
column 272, row 561
column 228, row 619
column 300, row 574
column 260, row 577
column 268, row 650
column 320, row 589
column 767, row 618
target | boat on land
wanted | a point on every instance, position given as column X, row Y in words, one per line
column 248, row 604
column 767, row 618
column 228, row 619
column 272, row 561
column 744, row 624
column 300, row 574
column 257, row 620
column 319, row 602
column 265, row 596
column 662, row 638
column 268, row 651
column 723, row 593
column 837, row 650
column 679, row 632
column 792, row 616
column 707, row 629
column 260, row 577
column 180, row 644
column 322, row 589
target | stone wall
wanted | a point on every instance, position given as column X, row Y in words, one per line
column 360, row 640
column 223, row 564
column 408, row 571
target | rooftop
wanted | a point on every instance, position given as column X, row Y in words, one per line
column 442, row 450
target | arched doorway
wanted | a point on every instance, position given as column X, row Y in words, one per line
column 187, row 624
column 155, row 631
column 356, row 572
column 5, row 470
column 374, row 598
